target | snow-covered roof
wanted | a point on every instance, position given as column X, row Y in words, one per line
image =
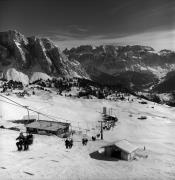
column 47, row 125
column 125, row 146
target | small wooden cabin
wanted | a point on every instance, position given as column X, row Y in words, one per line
column 48, row 127
column 122, row 149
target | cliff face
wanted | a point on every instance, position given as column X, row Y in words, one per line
column 136, row 66
column 29, row 55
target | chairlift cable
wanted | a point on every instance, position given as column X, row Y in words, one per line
column 9, row 103
column 46, row 115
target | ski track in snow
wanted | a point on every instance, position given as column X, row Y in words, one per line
column 48, row 158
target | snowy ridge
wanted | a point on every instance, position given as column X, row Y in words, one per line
column 39, row 75
column 13, row 74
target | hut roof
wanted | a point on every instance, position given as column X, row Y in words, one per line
column 47, row 125
column 125, row 146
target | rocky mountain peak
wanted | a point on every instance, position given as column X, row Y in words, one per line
column 165, row 52
column 34, row 54
column 8, row 38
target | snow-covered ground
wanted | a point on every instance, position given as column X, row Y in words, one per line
column 48, row 158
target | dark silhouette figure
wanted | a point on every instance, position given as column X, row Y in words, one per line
column 67, row 143
column 93, row 138
column 84, row 141
column 20, row 142
column 28, row 140
column 70, row 143
column 25, row 143
column 98, row 135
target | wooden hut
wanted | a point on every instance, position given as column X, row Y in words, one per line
column 122, row 149
column 48, row 127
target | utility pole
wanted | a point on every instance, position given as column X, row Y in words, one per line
column 27, row 112
column 38, row 116
column 101, row 122
column 111, row 111
column 101, row 130
column 71, row 129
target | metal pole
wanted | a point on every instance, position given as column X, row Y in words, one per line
column 27, row 113
column 71, row 129
column 38, row 116
column 78, row 126
column 101, row 130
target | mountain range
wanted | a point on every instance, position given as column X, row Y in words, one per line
column 136, row 67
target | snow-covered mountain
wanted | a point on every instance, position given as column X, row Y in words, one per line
column 22, row 58
column 137, row 67
column 134, row 66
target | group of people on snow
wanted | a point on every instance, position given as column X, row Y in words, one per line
column 69, row 143
column 24, row 141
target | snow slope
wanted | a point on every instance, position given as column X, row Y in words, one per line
column 13, row 74
column 48, row 158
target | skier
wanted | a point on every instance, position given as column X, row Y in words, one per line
column 93, row 138
column 25, row 143
column 30, row 138
column 67, row 143
column 70, row 143
column 20, row 142
column 84, row 141
column 98, row 135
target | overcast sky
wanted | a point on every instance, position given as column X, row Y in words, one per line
column 74, row 22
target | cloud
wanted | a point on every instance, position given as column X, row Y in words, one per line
column 64, row 35
column 70, row 32
column 77, row 28
column 156, row 39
